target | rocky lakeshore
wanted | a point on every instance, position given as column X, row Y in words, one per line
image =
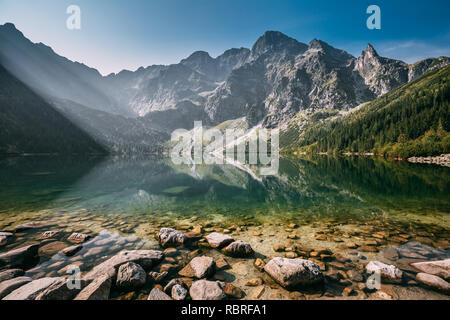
column 198, row 260
column 442, row 160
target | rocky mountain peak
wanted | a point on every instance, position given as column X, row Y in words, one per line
column 276, row 41
column 370, row 51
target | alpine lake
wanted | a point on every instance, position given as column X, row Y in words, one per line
column 340, row 212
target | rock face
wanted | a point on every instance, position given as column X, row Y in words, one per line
column 32, row 289
column 18, row 257
column 158, row 294
column 63, row 289
column 218, row 240
column 199, row 267
column 131, row 276
column 434, row 282
column 98, row 289
column 8, row 286
column 10, row 273
column 78, row 237
column 145, row 258
column 291, row 273
column 238, row 249
column 388, row 273
column 207, row 290
column 179, row 292
column 437, row 268
column 171, row 237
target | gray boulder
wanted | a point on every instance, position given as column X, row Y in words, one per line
column 131, row 276
column 207, row 290
column 171, row 238
column 218, row 240
column 291, row 273
column 145, row 258
column 62, row 290
column 238, row 249
column 388, row 273
column 199, row 267
column 97, row 290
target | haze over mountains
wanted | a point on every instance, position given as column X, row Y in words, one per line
column 269, row 84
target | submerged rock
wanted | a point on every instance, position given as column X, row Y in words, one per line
column 10, row 274
column 171, row 237
column 207, row 290
column 8, row 286
column 78, row 237
column 388, row 273
column 218, row 240
column 437, row 268
column 70, row 251
column 97, row 290
column 145, row 258
column 18, row 257
column 291, row 273
column 131, row 276
column 32, row 289
column 199, row 267
column 32, row 225
column 238, row 248
column 158, row 294
column 52, row 248
column 433, row 282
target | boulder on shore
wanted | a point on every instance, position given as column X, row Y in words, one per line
column 291, row 273
column 131, row 276
column 97, row 290
column 218, row 240
column 388, row 273
column 207, row 290
column 171, row 238
column 199, row 267
column 8, row 286
column 10, row 273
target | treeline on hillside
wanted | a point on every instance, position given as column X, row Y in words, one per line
column 413, row 119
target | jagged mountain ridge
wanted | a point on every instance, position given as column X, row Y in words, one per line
column 270, row 83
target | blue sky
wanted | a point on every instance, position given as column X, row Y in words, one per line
column 119, row 34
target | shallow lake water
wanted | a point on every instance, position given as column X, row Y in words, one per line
column 122, row 202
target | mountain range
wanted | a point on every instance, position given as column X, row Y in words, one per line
column 279, row 82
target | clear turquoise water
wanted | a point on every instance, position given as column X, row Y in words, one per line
column 314, row 188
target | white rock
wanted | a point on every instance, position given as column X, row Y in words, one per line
column 145, row 258
column 131, row 276
column 219, row 240
column 294, row 272
column 171, row 237
column 207, row 290
column 388, row 273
